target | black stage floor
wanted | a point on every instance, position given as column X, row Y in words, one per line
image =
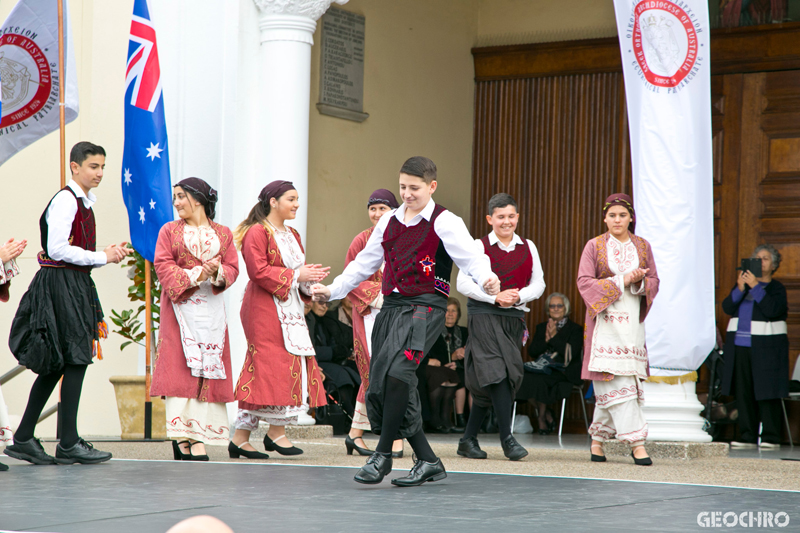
column 151, row 496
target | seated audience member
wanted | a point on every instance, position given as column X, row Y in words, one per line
column 445, row 372
column 555, row 351
column 344, row 312
column 333, row 344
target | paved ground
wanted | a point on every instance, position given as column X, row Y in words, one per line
column 133, row 496
column 548, row 457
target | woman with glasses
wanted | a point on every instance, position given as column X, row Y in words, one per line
column 558, row 345
column 757, row 351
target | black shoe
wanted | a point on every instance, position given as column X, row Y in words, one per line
column 270, row 446
column 461, row 422
column 397, row 455
column 421, row 472
column 645, row 461
column 544, row 432
column 470, row 448
column 3, row 467
column 378, row 467
column 30, row 450
column 193, row 457
column 81, row 452
column 351, row 445
column 512, row 449
column 234, row 452
column 597, row 458
column 177, row 454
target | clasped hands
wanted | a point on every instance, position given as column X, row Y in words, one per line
column 117, row 252
column 12, row 249
column 210, row 269
column 636, row 276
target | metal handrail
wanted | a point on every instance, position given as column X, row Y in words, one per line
column 14, row 372
column 51, row 410
column 11, row 374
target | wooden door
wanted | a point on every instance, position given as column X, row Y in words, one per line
column 769, row 194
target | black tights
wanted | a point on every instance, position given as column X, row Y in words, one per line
column 395, row 404
column 70, row 398
column 502, row 401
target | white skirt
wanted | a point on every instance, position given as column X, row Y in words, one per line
column 206, row 422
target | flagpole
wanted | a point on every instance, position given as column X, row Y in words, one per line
column 148, row 331
column 61, row 109
column 62, row 141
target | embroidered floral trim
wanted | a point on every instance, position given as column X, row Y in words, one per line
column 618, row 396
column 634, row 436
column 195, row 427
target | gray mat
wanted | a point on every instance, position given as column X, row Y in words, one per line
column 151, row 496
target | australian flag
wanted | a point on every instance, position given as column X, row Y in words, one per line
column 146, row 186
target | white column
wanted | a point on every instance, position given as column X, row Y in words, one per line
column 287, row 33
column 673, row 413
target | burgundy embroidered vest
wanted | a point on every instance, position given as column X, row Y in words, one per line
column 416, row 261
column 83, row 233
column 513, row 268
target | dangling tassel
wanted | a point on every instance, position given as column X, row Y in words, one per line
column 102, row 333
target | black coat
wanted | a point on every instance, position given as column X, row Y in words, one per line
column 770, row 360
column 571, row 333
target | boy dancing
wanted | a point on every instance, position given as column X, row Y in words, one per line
column 492, row 364
column 59, row 322
column 419, row 242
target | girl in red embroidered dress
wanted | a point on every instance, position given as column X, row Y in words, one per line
column 195, row 261
column 618, row 281
column 367, row 300
column 280, row 378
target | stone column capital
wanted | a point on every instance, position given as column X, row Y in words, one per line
column 312, row 9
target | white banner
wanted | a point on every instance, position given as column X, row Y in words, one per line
column 665, row 62
column 30, row 77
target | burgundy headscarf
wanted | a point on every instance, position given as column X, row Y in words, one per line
column 383, row 196
column 625, row 201
column 202, row 192
column 274, row 189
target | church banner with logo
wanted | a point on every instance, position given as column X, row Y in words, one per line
column 665, row 59
column 30, row 77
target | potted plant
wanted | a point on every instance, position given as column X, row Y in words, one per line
column 130, row 390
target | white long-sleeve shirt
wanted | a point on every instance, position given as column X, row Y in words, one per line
column 449, row 228
column 60, row 216
column 532, row 291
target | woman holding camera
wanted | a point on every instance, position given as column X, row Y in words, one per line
column 757, row 351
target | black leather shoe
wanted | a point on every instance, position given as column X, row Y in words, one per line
column 397, row 455
column 461, row 422
column 193, row 457
column 177, row 454
column 512, row 449
column 270, row 446
column 377, row 467
column 470, row 448
column 421, row 472
column 644, row 461
column 30, row 450
column 234, row 452
column 3, row 467
column 82, row 452
column 351, row 445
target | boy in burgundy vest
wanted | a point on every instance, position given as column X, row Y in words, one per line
column 419, row 242
column 56, row 330
column 492, row 362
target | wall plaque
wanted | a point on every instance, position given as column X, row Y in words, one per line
column 341, row 91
